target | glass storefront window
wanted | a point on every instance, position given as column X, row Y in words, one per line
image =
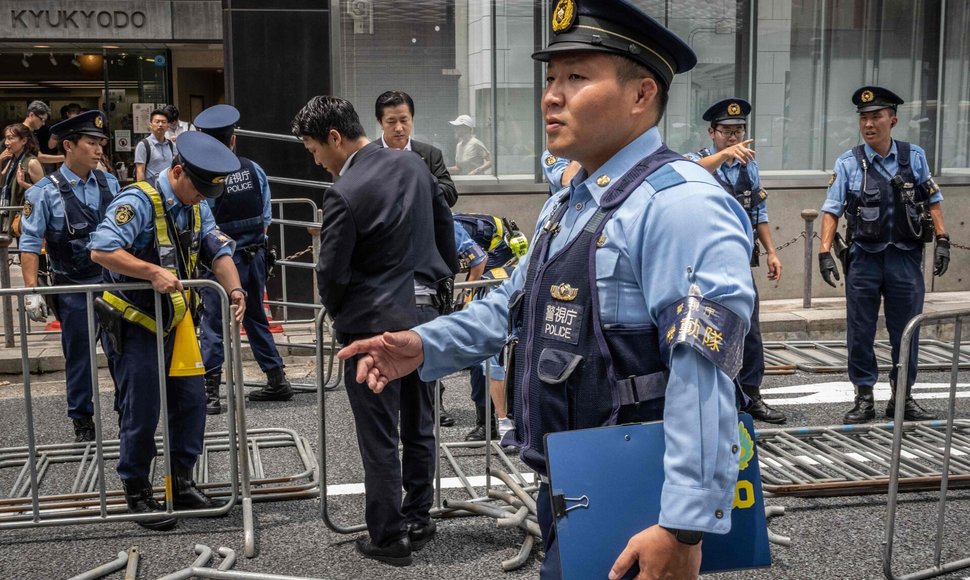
column 955, row 104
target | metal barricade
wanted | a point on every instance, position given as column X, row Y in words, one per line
column 516, row 509
column 951, row 462
column 64, row 509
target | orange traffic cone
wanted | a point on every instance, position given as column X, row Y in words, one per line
column 274, row 327
column 53, row 325
column 186, row 354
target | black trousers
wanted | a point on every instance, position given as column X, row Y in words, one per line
column 409, row 403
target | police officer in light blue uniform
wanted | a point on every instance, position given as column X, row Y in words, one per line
column 163, row 233
column 733, row 165
column 244, row 213
column 636, row 294
column 892, row 208
column 64, row 208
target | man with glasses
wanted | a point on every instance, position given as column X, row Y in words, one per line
column 154, row 154
column 37, row 115
column 731, row 160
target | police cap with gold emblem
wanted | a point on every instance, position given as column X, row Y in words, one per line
column 728, row 112
column 206, row 161
column 94, row 123
column 617, row 27
column 218, row 121
column 874, row 98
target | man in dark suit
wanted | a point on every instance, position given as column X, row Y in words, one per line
column 395, row 113
column 387, row 239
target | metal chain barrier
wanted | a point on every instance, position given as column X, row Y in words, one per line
column 302, row 252
column 762, row 252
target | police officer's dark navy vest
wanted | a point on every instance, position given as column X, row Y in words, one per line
column 569, row 370
column 876, row 212
column 239, row 211
column 174, row 249
column 491, row 234
column 67, row 247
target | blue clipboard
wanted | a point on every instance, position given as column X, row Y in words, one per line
column 607, row 484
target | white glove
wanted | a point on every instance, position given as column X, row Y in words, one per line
column 36, row 307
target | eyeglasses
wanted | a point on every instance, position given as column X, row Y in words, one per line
column 732, row 133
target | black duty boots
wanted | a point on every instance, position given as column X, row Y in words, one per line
column 212, row 404
column 478, row 433
column 913, row 412
column 83, row 429
column 138, row 494
column 188, row 496
column 760, row 410
column 444, row 417
column 864, row 409
column 277, row 387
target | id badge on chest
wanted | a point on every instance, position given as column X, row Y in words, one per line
column 563, row 320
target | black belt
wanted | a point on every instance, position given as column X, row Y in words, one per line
column 424, row 300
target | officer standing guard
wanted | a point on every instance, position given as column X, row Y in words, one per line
column 244, row 213
column 65, row 207
column 634, row 299
column 732, row 163
column 162, row 233
column 893, row 208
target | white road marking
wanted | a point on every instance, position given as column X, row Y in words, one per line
column 844, row 392
column 446, row 483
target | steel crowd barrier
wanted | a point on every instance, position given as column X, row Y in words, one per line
column 948, row 458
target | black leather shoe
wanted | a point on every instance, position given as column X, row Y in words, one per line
column 445, row 419
column 421, row 535
column 913, row 412
column 212, row 404
column 397, row 553
column 762, row 412
column 138, row 495
column 189, row 497
column 277, row 387
column 863, row 412
column 83, row 429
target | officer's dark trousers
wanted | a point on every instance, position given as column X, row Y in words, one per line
column 551, row 568
column 895, row 275
column 376, row 418
column 73, row 314
column 138, row 403
column 753, row 356
column 252, row 277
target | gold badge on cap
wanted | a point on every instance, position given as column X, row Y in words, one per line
column 734, row 109
column 98, row 121
column 564, row 16
column 551, row 160
column 124, row 214
column 219, row 179
column 28, row 209
column 563, row 292
column 603, row 180
column 867, row 96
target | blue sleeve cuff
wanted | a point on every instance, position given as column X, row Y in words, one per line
column 833, row 207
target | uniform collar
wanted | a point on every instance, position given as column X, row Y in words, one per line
column 871, row 154
column 73, row 177
column 622, row 162
column 168, row 194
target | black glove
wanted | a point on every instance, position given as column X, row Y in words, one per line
column 826, row 265
column 941, row 258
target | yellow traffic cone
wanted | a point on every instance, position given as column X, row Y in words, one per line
column 186, row 354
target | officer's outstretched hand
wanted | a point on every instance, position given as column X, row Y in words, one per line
column 660, row 555
column 941, row 258
column 740, row 151
column 35, row 307
column 826, row 265
column 389, row 356
column 164, row 282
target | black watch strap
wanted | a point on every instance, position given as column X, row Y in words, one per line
column 689, row 537
column 244, row 293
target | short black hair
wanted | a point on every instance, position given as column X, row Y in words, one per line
column 73, row 138
column 159, row 112
column 392, row 99
column 323, row 113
column 70, row 108
column 172, row 112
column 628, row 69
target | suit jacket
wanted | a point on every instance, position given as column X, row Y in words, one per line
column 435, row 161
column 384, row 227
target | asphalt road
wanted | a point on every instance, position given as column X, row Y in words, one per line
column 837, row 537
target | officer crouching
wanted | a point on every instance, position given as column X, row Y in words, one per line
column 161, row 232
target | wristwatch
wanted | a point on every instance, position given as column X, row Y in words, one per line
column 244, row 293
column 688, row 537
